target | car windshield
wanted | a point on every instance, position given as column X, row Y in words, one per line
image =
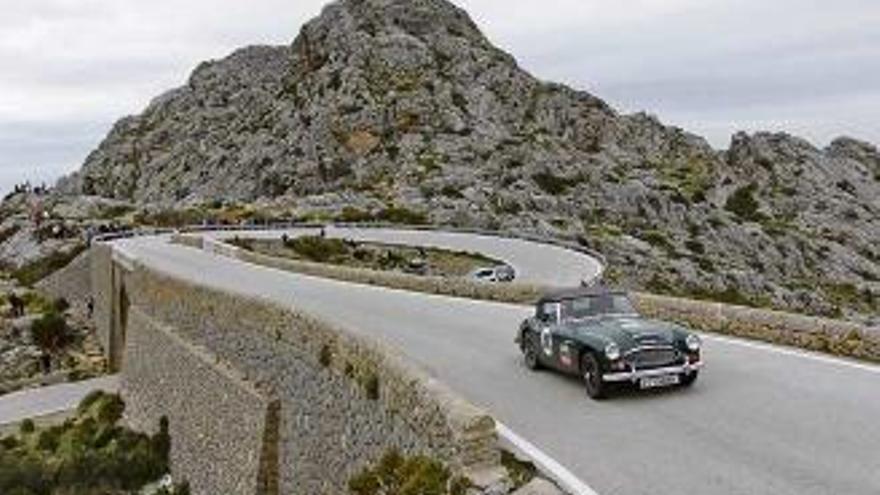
column 606, row 304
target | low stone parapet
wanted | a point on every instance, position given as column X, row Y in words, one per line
column 817, row 334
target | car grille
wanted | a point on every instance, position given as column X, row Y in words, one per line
column 653, row 358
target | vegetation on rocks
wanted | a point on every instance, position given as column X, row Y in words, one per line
column 743, row 204
column 320, row 249
column 396, row 474
column 552, row 184
column 45, row 340
column 90, row 454
column 401, row 215
column 520, row 472
column 51, row 333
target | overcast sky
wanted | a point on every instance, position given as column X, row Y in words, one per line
column 70, row 68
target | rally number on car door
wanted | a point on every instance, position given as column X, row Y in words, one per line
column 547, row 341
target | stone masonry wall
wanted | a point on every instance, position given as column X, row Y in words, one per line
column 343, row 400
column 101, row 266
column 73, row 282
column 222, row 428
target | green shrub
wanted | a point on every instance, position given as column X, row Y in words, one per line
column 86, row 455
column 109, row 409
column 848, row 295
column 451, row 191
column 114, row 212
column 8, row 443
column 325, row 357
column 35, row 303
column 716, row 222
column 50, row 332
column 706, row 264
column 319, row 249
column 354, row 215
column 509, row 207
column 7, row 234
column 743, row 204
column 657, row 239
column 60, row 305
column 371, row 386
column 402, row 216
column 27, row 426
column 86, row 403
column 390, row 260
column 689, row 179
column 399, row 475
column 659, row 285
column 695, row 246
column 552, row 184
column 520, row 472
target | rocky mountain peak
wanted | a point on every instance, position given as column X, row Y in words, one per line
column 858, row 151
column 768, row 147
column 418, row 18
column 404, row 103
column 399, row 34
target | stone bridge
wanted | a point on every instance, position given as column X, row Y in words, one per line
column 262, row 399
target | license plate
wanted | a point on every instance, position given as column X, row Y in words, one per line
column 658, row 381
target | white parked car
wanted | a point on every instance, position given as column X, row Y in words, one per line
column 500, row 273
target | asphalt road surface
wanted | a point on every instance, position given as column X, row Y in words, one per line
column 761, row 420
column 37, row 402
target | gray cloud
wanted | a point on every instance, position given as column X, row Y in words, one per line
column 41, row 152
column 69, row 68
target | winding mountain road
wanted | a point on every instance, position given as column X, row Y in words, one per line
column 761, row 420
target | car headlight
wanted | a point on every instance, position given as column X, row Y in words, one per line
column 693, row 343
column 612, row 352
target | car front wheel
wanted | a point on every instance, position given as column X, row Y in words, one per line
column 592, row 374
column 530, row 353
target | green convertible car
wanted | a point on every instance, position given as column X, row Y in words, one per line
column 596, row 333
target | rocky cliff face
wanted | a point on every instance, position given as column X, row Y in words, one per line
column 405, row 102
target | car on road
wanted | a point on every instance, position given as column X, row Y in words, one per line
column 596, row 333
column 500, row 273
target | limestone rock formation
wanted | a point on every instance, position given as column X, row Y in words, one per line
column 405, row 102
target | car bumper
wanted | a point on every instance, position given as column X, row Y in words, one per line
column 636, row 375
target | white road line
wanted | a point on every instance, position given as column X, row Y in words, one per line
column 790, row 351
column 545, row 463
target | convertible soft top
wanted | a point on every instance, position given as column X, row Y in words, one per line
column 578, row 292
